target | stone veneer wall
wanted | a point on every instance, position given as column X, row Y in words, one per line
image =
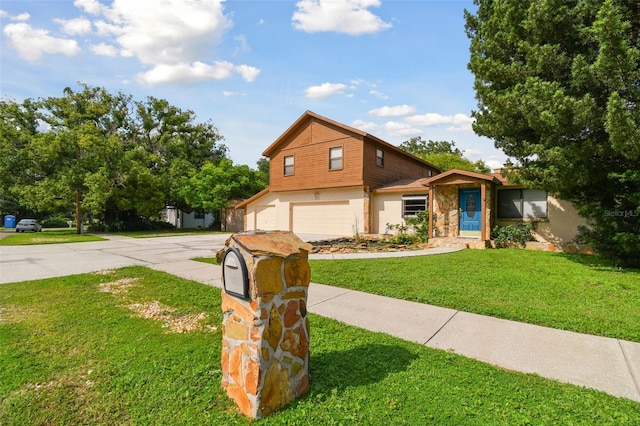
column 446, row 209
column 265, row 344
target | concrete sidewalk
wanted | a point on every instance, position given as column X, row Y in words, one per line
column 606, row 364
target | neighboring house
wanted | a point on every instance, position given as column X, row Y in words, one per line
column 194, row 219
column 329, row 178
column 468, row 205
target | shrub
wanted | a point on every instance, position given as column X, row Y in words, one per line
column 137, row 224
column 56, row 222
column 513, row 235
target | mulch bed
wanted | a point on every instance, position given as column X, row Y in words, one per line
column 351, row 245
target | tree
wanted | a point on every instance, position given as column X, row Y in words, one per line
column 442, row 154
column 18, row 125
column 214, row 185
column 558, row 89
column 100, row 153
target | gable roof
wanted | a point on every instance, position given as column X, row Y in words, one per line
column 309, row 114
column 249, row 200
column 451, row 174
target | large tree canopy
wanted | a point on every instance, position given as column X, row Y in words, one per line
column 442, row 154
column 558, row 89
column 90, row 151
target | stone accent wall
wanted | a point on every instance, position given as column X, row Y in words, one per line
column 265, row 340
column 446, row 210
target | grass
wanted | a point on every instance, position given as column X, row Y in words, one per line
column 47, row 237
column 570, row 292
column 73, row 354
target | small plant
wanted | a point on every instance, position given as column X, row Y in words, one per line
column 415, row 229
column 513, row 235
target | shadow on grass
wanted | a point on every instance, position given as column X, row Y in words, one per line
column 360, row 366
column 595, row 262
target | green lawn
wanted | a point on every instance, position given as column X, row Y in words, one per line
column 47, row 237
column 571, row 292
column 76, row 350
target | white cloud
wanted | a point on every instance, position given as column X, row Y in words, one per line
column 92, row 7
column 365, row 126
column 31, row 43
column 378, row 95
column 170, row 32
column 325, row 90
column 21, row 18
column 434, row 119
column 393, row 111
column 247, row 72
column 395, row 128
column 104, row 49
column 186, row 73
column 75, row 26
column 351, row 17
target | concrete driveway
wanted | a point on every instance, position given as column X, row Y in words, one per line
column 24, row 263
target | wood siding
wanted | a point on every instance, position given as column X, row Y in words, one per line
column 396, row 166
column 309, row 144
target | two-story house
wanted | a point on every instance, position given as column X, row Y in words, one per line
column 329, row 178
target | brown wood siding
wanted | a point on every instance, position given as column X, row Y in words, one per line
column 396, row 166
column 310, row 147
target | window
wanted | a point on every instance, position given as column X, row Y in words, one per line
column 413, row 204
column 198, row 214
column 335, row 158
column 379, row 158
column 288, row 165
column 522, row 203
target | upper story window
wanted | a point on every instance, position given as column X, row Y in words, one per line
column 288, row 165
column 335, row 158
column 379, row 158
column 522, row 204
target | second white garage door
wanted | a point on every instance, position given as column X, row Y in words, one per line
column 333, row 217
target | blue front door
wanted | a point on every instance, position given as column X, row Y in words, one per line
column 470, row 217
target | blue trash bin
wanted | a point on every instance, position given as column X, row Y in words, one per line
column 9, row 221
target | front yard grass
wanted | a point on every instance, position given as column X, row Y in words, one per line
column 570, row 292
column 137, row 346
column 47, row 237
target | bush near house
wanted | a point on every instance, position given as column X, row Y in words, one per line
column 513, row 235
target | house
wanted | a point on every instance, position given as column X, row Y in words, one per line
column 466, row 206
column 329, row 178
column 228, row 219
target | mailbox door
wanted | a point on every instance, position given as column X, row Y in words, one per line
column 235, row 277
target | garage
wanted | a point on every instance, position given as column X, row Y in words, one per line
column 333, row 217
column 266, row 217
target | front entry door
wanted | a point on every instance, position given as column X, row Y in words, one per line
column 470, row 217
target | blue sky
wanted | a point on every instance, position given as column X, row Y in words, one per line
column 395, row 69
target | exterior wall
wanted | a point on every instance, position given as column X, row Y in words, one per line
column 387, row 208
column 181, row 219
column 561, row 225
column 189, row 221
column 310, row 148
column 445, row 207
column 396, row 166
column 281, row 203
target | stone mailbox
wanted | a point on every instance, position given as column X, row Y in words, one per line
column 265, row 329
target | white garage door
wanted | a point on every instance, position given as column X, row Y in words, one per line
column 266, row 217
column 323, row 218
